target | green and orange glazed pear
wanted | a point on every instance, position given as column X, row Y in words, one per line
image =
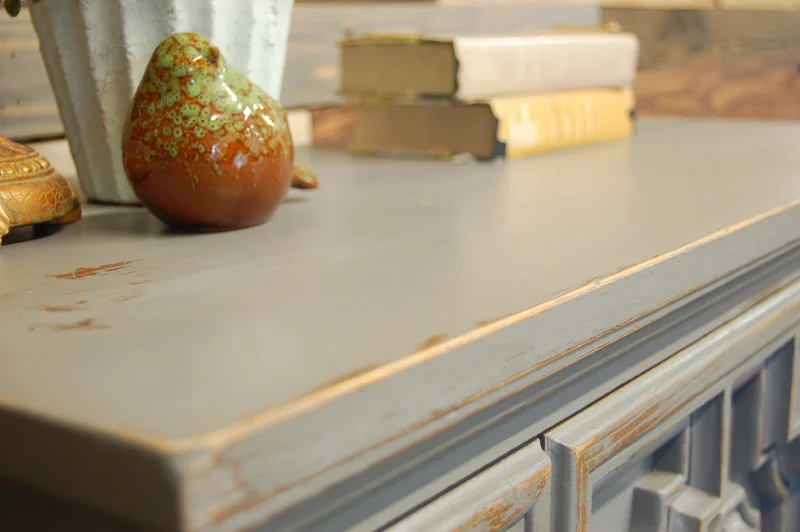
column 203, row 146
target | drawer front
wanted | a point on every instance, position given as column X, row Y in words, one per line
column 513, row 495
column 705, row 441
column 795, row 408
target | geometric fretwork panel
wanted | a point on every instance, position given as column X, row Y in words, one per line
column 702, row 442
column 706, row 441
column 763, row 461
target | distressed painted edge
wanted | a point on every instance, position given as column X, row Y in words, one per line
column 196, row 462
column 237, row 432
column 192, row 460
column 492, row 500
column 697, row 374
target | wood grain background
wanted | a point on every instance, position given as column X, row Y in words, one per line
column 27, row 106
column 726, row 63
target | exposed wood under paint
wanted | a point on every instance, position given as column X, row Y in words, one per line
column 684, row 407
column 384, row 256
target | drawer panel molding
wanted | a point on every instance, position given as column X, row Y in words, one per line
column 706, row 441
column 512, row 494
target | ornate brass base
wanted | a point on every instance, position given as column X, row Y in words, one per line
column 31, row 191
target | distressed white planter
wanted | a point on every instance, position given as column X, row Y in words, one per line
column 95, row 52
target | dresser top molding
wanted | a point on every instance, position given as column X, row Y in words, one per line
column 380, row 308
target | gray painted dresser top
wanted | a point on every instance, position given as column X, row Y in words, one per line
column 199, row 332
column 392, row 270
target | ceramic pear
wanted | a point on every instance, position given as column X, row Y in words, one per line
column 203, row 147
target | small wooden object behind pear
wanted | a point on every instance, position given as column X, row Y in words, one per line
column 203, row 146
column 31, row 191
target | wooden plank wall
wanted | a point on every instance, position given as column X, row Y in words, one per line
column 27, row 106
column 731, row 58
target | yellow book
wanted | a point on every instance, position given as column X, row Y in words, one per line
column 502, row 127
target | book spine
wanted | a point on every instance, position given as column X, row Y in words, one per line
column 488, row 68
column 550, row 122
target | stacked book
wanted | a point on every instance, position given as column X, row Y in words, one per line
column 489, row 96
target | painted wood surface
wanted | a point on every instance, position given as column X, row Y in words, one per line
column 515, row 490
column 665, row 451
column 390, row 234
column 719, row 406
column 499, row 428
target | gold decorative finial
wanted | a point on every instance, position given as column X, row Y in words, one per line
column 31, row 191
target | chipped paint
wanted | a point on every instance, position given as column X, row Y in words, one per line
column 429, row 342
column 434, row 415
column 221, row 515
column 222, row 438
column 297, row 406
column 219, row 440
column 346, row 377
column 57, row 308
column 9, row 295
column 231, row 510
column 89, row 271
column 83, row 325
column 490, row 321
column 128, row 297
column 655, row 416
column 495, row 518
column 510, row 509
